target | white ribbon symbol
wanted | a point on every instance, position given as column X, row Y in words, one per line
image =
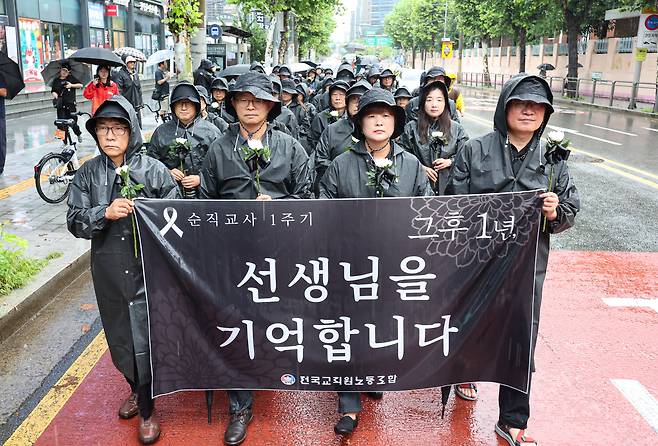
column 170, row 215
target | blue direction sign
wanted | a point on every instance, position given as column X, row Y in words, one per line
column 215, row 31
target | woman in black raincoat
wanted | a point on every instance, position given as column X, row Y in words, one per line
column 98, row 212
column 387, row 80
column 218, row 90
column 434, row 138
column 378, row 122
column 336, row 111
column 321, row 100
column 338, row 137
column 286, row 121
column 182, row 142
column 303, row 111
column 513, row 158
column 434, row 74
column 402, row 96
column 253, row 161
column 212, row 118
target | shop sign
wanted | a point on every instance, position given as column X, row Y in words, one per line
column 111, row 10
column 148, row 8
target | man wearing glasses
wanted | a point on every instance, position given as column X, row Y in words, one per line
column 253, row 161
column 98, row 212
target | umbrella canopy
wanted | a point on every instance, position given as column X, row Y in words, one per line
column 128, row 51
column 311, row 63
column 159, row 56
column 97, row 56
column 579, row 65
column 546, row 67
column 355, row 47
column 12, row 75
column 300, row 67
column 234, row 71
column 78, row 70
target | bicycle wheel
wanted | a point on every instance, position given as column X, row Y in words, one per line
column 53, row 177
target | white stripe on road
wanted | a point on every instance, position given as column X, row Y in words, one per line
column 631, row 302
column 648, row 128
column 640, row 398
column 610, row 130
column 576, row 132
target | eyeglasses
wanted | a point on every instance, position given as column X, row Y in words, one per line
column 116, row 131
column 244, row 102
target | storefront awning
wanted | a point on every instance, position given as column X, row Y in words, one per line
column 234, row 31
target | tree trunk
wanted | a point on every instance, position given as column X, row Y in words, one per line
column 460, row 54
column 183, row 58
column 572, row 40
column 198, row 49
column 485, row 62
column 424, row 57
column 522, row 50
column 269, row 46
column 283, row 43
column 413, row 57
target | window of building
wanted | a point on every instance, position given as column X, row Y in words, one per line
column 28, row 8
column 3, row 9
column 50, row 10
column 71, row 12
column 72, row 36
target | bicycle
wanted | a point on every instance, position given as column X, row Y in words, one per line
column 54, row 172
column 165, row 117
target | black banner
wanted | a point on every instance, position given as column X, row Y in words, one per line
column 371, row 294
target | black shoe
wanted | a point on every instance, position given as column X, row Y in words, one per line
column 346, row 425
column 375, row 395
column 236, row 431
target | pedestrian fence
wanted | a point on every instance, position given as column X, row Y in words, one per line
column 626, row 94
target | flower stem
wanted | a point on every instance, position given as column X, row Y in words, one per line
column 550, row 189
column 257, row 181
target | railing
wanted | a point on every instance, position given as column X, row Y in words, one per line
column 592, row 91
column 625, row 45
column 601, row 46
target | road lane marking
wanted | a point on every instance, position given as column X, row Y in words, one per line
column 577, row 133
column 640, row 398
column 26, row 184
column 602, row 165
column 649, row 128
column 38, row 420
column 610, row 130
column 631, row 302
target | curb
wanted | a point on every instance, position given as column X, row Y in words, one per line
column 36, row 300
column 562, row 100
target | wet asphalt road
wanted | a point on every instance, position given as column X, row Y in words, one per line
column 617, row 180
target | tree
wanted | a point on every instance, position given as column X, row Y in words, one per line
column 183, row 19
column 258, row 38
column 314, row 30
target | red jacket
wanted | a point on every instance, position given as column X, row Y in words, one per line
column 99, row 94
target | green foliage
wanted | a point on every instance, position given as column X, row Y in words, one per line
column 314, row 29
column 183, row 18
column 419, row 24
column 258, row 39
column 16, row 269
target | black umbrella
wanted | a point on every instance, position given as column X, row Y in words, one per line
column 311, row 63
column 97, row 56
column 579, row 65
column 78, row 70
column 546, row 67
column 12, row 75
column 234, row 70
column 445, row 394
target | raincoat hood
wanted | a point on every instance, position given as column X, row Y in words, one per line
column 436, row 72
column 203, row 93
column 523, row 87
column 339, row 85
column 302, row 89
column 386, row 73
column 257, row 84
column 118, row 107
column 219, row 83
column 206, row 65
column 345, row 73
column 288, row 86
column 402, row 92
column 285, row 70
column 327, row 81
column 359, row 88
column 257, row 66
column 373, row 72
column 378, row 96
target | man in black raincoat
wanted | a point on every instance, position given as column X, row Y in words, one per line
column 253, row 161
column 218, row 91
column 284, row 73
column 293, row 97
column 373, row 75
column 189, row 128
column 387, row 80
column 212, row 118
column 99, row 213
column 434, row 74
column 257, row 66
column 333, row 113
column 127, row 80
column 346, row 177
column 204, row 74
column 321, row 100
column 338, row 138
column 512, row 158
column 402, row 97
column 345, row 73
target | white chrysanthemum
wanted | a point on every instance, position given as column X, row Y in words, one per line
column 355, row 139
column 556, row 136
column 122, row 169
column 255, row 144
column 334, row 113
column 215, row 105
column 437, row 134
column 181, row 140
column 383, row 163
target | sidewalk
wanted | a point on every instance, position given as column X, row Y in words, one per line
column 43, row 225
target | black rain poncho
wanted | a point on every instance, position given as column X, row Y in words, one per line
column 346, row 177
column 485, row 166
column 433, row 149
column 129, row 87
column 225, row 174
column 116, row 273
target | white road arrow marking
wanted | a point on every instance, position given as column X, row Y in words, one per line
column 631, row 302
column 610, row 130
column 640, row 398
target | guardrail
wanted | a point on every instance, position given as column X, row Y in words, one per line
column 593, row 91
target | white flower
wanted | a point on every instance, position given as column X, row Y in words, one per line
column 255, row 144
column 355, row 140
column 215, row 105
column 437, row 134
column 556, row 136
column 181, row 140
column 334, row 113
column 383, row 163
column 122, row 169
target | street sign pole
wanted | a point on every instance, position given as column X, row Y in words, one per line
column 647, row 40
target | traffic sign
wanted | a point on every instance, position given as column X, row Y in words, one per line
column 446, row 49
column 647, row 33
column 641, row 54
column 215, row 31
